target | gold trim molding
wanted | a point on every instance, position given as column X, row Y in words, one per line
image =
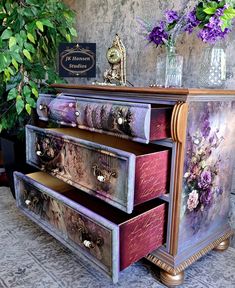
column 190, row 260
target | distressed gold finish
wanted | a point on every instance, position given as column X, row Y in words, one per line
column 223, row 245
column 171, row 280
column 178, row 132
column 190, row 260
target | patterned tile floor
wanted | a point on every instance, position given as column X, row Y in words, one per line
column 31, row 258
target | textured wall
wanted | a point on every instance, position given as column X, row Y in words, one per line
column 99, row 21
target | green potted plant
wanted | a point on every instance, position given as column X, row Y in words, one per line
column 30, row 32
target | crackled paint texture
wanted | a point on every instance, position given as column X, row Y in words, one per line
column 99, row 21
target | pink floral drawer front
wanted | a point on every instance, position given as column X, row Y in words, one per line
column 121, row 173
column 136, row 121
column 109, row 239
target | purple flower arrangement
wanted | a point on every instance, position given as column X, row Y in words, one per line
column 160, row 34
column 213, row 18
column 201, row 177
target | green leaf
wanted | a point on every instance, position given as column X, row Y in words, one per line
column 229, row 14
column 26, row 91
column 12, row 94
column 27, row 55
column 47, row 23
column 17, row 57
column 29, row 47
column 28, row 108
column 19, row 40
column 6, row 34
column 35, row 92
column 73, row 32
column 19, row 104
column 15, row 64
column 31, row 102
column 12, row 42
column 31, row 38
column 68, row 37
column 200, row 14
column 40, row 25
column 11, row 71
column 210, row 10
column 7, row 75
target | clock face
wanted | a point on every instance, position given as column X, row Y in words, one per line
column 114, row 55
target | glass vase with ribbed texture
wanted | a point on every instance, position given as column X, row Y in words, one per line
column 174, row 67
column 212, row 71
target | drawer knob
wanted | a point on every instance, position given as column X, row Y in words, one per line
column 88, row 244
column 77, row 113
column 101, row 178
column 120, row 120
column 27, row 202
column 42, row 107
column 39, row 153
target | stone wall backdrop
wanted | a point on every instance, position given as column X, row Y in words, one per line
column 99, row 20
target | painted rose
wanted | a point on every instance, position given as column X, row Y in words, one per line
column 205, row 180
column 193, row 200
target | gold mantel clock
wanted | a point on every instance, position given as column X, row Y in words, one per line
column 115, row 75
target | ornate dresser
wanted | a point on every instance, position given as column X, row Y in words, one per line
column 128, row 173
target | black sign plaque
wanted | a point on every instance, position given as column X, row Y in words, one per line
column 77, row 60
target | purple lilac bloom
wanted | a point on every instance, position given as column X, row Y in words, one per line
column 213, row 31
column 191, row 21
column 206, row 197
column 158, row 35
column 171, row 16
column 206, row 129
column 205, row 180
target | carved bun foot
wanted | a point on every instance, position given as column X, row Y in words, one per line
column 223, row 245
column 171, row 280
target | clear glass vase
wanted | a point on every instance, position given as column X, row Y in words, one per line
column 212, row 72
column 169, row 68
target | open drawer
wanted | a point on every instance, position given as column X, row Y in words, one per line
column 107, row 237
column 135, row 121
column 120, row 172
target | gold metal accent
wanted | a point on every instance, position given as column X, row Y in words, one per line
column 223, row 245
column 190, row 260
column 171, row 280
column 178, row 134
column 116, row 74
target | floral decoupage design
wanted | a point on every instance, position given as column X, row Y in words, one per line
column 207, row 170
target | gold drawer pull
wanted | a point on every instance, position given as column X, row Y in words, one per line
column 88, row 244
column 42, row 107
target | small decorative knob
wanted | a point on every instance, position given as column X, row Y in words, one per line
column 77, row 113
column 42, row 107
column 39, row 153
column 27, row 202
column 101, row 178
column 120, row 120
column 88, row 244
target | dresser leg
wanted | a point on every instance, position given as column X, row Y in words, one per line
column 223, row 245
column 171, row 280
